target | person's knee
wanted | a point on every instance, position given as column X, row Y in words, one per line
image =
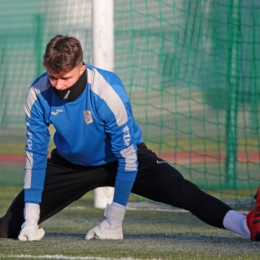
column 3, row 228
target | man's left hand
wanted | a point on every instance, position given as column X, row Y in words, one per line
column 111, row 227
column 105, row 231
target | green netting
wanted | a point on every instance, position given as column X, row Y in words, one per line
column 191, row 69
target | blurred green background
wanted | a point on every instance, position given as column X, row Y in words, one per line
column 191, row 69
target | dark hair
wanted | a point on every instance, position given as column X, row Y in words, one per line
column 62, row 54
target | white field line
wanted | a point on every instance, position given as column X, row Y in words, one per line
column 157, row 209
column 146, row 209
column 68, row 257
column 173, row 210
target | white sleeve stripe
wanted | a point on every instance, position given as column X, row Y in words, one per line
column 32, row 93
column 28, row 171
column 30, row 99
column 100, row 87
column 130, row 158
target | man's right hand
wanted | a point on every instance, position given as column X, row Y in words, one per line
column 30, row 230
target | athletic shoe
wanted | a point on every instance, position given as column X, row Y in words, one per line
column 253, row 219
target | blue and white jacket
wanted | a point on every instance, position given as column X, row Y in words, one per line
column 96, row 128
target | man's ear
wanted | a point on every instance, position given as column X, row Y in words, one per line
column 82, row 69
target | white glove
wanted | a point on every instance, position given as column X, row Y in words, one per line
column 30, row 230
column 111, row 227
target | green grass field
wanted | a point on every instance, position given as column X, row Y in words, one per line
column 148, row 234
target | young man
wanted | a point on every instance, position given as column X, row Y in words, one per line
column 98, row 144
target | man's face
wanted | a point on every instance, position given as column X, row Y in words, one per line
column 66, row 80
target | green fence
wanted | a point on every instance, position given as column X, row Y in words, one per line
column 191, row 69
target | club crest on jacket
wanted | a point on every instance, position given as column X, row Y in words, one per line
column 88, row 117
